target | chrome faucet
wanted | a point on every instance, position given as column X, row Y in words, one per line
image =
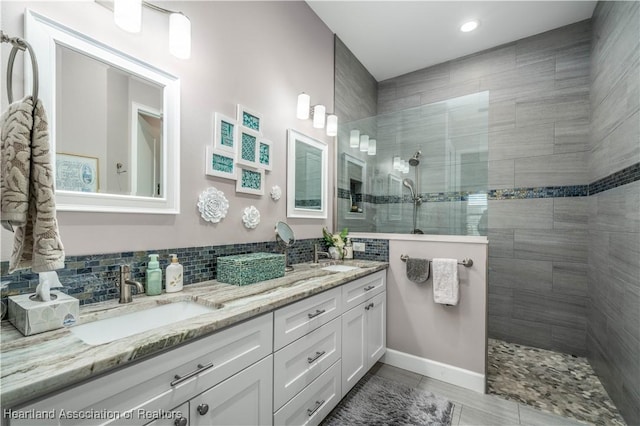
column 125, row 283
column 316, row 253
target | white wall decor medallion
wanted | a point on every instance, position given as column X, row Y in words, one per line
column 213, row 205
column 276, row 193
column 251, row 217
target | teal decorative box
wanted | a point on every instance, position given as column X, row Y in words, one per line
column 243, row 269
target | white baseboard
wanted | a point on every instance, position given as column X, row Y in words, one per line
column 436, row 370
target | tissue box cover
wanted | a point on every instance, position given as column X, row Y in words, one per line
column 33, row 316
column 243, row 269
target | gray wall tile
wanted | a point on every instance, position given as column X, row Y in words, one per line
column 570, row 278
column 533, row 275
column 555, row 245
column 524, row 214
column 551, row 170
column 571, row 213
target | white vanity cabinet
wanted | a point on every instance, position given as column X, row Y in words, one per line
column 146, row 391
column 363, row 327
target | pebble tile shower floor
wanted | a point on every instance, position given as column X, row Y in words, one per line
column 550, row 381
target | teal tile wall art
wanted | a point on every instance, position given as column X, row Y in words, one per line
column 248, row 149
column 265, row 154
column 225, row 133
column 250, row 181
column 250, row 119
column 220, row 163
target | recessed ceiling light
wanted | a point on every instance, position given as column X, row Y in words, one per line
column 469, row 26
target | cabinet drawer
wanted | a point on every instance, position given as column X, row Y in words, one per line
column 298, row 319
column 314, row 403
column 146, row 386
column 298, row 364
column 358, row 291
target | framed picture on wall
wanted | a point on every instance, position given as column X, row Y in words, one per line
column 250, row 119
column 225, row 133
column 248, row 148
column 220, row 163
column 77, row 173
column 265, row 154
column 250, row 181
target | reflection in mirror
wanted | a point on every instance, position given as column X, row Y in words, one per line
column 285, row 238
column 306, row 176
column 114, row 123
column 355, row 173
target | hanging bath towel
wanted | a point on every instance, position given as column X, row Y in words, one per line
column 418, row 270
column 445, row 281
column 27, row 185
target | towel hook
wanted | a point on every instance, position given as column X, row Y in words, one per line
column 19, row 44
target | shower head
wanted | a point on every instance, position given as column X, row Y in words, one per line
column 409, row 184
column 415, row 160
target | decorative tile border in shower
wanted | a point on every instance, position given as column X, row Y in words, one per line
column 625, row 176
column 92, row 278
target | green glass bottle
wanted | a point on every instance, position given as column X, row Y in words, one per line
column 154, row 276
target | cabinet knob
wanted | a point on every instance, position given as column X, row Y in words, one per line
column 182, row 421
column 203, row 409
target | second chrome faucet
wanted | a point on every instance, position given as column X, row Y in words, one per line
column 125, row 283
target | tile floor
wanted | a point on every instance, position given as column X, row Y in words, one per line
column 554, row 382
column 473, row 408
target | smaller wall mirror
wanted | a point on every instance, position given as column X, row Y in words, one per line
column 114, row 123
column 306, row 176
column 285, row 238
column 355, row 172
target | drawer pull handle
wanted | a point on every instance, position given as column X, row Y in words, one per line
column 312, row 359
column 182, row 421
column 203, row 409
column 316, row 313
column 311, row 411
column 369, row 287
column 179, row 379
column 369, row 306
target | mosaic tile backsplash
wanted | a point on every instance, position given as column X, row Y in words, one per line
column 92, row 278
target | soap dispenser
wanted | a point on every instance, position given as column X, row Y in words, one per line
column 174, row 275
column 154, row 276
column 348, row 249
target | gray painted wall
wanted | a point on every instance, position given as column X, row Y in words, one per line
column 538, row 137
column 613, row 322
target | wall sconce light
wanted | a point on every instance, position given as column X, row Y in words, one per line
column 127, row 14
column 318, row 113
column 364, row 143
column 372, row 147
column 354, row 139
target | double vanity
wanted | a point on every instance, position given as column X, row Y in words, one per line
column 283, row 351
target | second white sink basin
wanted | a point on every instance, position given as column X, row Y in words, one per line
column 110, row 329
column 339, row 268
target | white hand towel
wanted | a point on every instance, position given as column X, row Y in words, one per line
column 446, row 288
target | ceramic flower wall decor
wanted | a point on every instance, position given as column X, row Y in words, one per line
column 213, row 205
column 276, row 193
column 251, row 217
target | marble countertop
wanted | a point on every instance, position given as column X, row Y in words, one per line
column 35, row 365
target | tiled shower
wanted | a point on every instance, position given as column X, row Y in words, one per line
column 563, row 190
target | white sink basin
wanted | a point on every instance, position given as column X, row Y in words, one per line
column 339, row 268
column 110, row 329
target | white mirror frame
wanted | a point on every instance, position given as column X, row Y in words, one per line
column 292, row 210
column 43, row 34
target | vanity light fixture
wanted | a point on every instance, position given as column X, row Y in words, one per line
column 372, row 147
column 354, row 139
column 364, row 143
column 469, row 26
column 127, row 14
column 318, row 114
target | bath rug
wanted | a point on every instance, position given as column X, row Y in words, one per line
column 375, row 400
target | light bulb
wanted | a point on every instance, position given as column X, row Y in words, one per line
column 304, row 103
column 354, row 139
column 332, row 125
column 319, row 112
column 127, row 14
column 364, row 143
column 469, row 26
column 179, row 36
column 372, row 147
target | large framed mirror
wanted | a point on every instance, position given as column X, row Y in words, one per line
column 306, row 176
column 114, row 123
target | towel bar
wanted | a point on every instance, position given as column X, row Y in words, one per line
column 464, row 262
